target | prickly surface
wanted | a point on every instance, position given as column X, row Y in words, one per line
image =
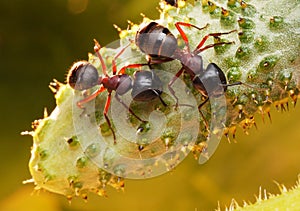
column 288, row 199
column 72, row 159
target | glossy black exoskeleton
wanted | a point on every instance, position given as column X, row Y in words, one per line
column 145, row 84
column 171, row 2
column 160, row 45
column 157, row 42
column 212, row 75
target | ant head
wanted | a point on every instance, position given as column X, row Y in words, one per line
column 82, row 75
column 212, row 81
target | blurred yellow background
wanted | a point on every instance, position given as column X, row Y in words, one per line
column 40, row 40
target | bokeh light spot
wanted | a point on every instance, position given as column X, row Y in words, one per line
column 77, row 6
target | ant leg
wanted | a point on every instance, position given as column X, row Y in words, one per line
column 182, row 33
column 129, row 109
column 236, row 83
column 197, row 51
column 97, row 48
column 201, row 113
column 161, row 100
column 107, row 104
column 90, row 97
column 203, row 103
column 244, row 84
column 198, row 48
column 114, row 66
column 158, row 61
column 122, row 70
column 171, row 83
column 149, row 63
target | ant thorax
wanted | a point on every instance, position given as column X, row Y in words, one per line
column 120, row 83
column 192, row 63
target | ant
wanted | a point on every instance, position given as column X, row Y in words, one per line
column 160, row 46
column 171, row 2
column 145, row 84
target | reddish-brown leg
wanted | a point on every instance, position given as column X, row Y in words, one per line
column 107, row 104
column 114, row 66
column 199, row 46
column 182, row 33
column 150, row 62
column 97, row 48
column 123, row 69
column 197, row 51
column 90, row 97
column 171, row 83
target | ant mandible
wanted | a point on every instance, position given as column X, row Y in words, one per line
column 145, row 85
column 160, row 45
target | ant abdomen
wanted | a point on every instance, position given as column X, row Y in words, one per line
column 156, row 41
column 146, row 86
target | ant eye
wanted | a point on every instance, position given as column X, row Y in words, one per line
column 82, row 75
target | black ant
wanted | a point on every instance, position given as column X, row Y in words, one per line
column 145, row 84
column 160, row 45
column 171, row 2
